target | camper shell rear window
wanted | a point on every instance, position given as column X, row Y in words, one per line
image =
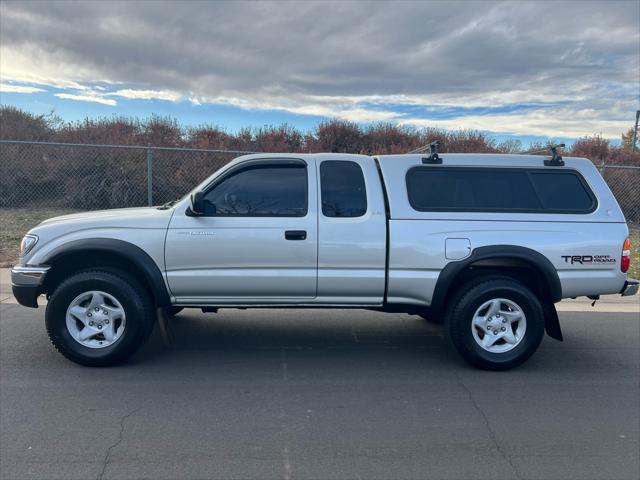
column 505, row 189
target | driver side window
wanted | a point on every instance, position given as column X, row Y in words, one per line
column 269, row 190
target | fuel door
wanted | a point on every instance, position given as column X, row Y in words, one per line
column 457, row 248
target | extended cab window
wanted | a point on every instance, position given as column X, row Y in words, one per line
column 521, row 190
column 271, row 190
column 342, row 189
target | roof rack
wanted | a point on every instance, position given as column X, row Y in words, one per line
column 556, row 159
column 433, row 159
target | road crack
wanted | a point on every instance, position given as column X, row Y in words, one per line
column 107, row 456
column 492, row 433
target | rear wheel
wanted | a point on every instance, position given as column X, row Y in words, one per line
column 496, row 324
column 99, row 317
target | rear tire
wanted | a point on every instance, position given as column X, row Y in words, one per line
column 99, row 317
column 495, row 323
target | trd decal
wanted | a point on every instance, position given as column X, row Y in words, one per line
column 582, row 259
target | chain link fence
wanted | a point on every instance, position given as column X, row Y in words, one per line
column 59, row 176
column 90, row 177
column 624, row 182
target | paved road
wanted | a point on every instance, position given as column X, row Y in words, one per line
column 320, row 394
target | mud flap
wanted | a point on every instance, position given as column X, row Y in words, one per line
column 164, row 325
column 551, row 321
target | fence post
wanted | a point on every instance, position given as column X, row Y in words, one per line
column 635, row 131
column 149, row 176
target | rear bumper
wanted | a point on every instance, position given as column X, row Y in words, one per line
column 26, row 284
column 630, row 288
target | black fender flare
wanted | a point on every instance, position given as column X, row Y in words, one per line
column 538, row 261
column 138, row 258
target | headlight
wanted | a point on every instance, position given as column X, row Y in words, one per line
column 27, row 243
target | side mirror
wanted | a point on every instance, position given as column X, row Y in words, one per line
column 197, row 204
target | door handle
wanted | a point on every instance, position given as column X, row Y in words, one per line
column 295, row 234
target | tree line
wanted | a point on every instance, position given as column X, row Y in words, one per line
column 333, row 135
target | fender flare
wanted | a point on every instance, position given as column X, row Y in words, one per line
column 130, row 252
column 527, row 255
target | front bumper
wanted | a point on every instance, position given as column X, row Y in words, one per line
column 26, row 284
column 630, row 287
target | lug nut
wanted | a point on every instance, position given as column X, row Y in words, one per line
column 105, row 312
column 495, row 332
column 91, row 324
column 89, row 314
column 97, row 309
column 503, row 329
column 106, row 320
column 504, row 320
column 99, row 326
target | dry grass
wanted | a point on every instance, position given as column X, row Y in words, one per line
column 14, row 223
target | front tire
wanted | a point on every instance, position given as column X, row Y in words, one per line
column 99, row 318
column 495, row 323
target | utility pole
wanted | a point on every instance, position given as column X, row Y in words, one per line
column 635, row 131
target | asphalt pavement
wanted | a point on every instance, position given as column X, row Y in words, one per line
column 320, row 394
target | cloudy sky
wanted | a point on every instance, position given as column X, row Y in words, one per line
column 525, row 69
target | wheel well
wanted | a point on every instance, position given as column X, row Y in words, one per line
column 521, row 270
column 65, row 265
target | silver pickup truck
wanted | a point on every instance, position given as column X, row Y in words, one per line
column 485, row 243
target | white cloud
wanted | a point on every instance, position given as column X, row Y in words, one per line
column 346, row 109
column 31, row 64
column 148, row 94
column 87, row 98
column 352, row 114
column 557, row 123
column 9, row 88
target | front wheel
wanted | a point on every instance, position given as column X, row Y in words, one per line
column 99, row 318
column 496, row 324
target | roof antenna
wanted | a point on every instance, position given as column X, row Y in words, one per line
column 433, row 158
column 556, row 159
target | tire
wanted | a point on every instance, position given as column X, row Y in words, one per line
column 510, row 334
column 123, row 308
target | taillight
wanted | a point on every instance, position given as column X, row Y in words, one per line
column 625, row 261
